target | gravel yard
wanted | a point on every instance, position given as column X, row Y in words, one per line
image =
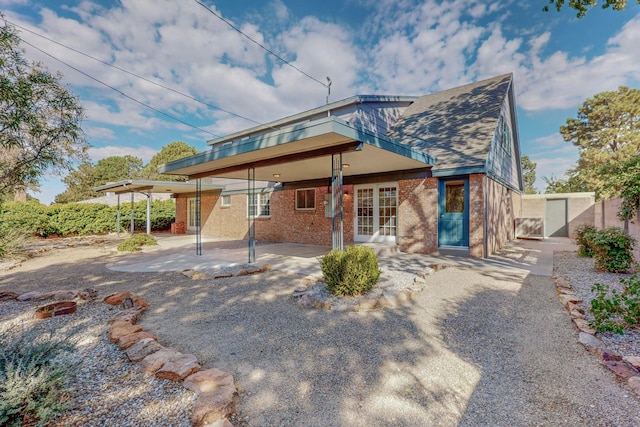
column 582, row 274
column 474, row 348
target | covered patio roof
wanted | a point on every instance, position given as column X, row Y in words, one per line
column 302, row 152
column 142, row 186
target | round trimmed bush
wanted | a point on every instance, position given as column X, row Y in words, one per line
column 135, row 242
column 350, row 272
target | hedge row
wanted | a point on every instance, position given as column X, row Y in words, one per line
column 82, row 218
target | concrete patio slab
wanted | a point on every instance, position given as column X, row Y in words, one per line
column 178, row 253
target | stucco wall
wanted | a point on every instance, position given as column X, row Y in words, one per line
column 580, row 208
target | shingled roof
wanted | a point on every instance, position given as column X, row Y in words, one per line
column 455, row 126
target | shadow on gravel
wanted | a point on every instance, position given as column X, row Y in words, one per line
column 532, row 371
column 295, row 366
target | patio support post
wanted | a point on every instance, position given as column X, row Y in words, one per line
column 198, row 216
column 336, row 203
column 252, row 211
column 131, row 216
column 149, row 212
column 118, row 217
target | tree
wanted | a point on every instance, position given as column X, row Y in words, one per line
column 607, row 134
column 81, row 181
column 528, row 175
column 561, row 185
column 79, row 184
column 629, row 181
column 39, row 119
column 173, row 151
column 582, row 6
column 116, row 168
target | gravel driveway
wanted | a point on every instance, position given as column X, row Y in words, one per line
column 475, row 347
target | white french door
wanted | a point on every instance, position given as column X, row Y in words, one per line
column 192, row 214
column 376, row 210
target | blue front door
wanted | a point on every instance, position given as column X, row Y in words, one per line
column 453, row 212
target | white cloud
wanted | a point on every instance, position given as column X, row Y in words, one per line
column 143, row 152
column 98, row 132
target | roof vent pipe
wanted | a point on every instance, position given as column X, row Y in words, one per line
column 328, row 94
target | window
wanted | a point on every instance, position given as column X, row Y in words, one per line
column 259, row 205
column 454, row 197
column 226, row 200
column 306, row 199
column 504, row 135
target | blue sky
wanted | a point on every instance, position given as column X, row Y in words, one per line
column 397, row 47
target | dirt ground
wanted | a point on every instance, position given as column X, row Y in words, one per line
column 471, row 340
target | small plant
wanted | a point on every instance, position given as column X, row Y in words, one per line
column 350, row 272
column 612, row 250
column 33, row 379
column 12, row 243
column 615, row 311
column 584, row 239
column 135, row 242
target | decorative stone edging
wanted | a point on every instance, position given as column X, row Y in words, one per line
column 216, row 392
column 308, row 297
column 239, row 272
column 624, row 368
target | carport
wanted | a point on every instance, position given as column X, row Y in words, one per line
column 147, row 188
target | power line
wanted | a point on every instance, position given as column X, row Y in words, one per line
column 134, row 74
column 120, row 92
column 261, row 45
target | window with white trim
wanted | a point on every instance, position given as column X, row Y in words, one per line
column 258, row 205
column 225, row 200
column 306, row 199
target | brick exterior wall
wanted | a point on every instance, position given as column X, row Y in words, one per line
column 418, row 215
column 501, row 206
column 181, row 212
column 417, row 230
column 287, row 224
column 476, row 216
column 500, row 214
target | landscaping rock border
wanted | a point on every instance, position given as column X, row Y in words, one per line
column 216, row 392
column 310, row 292
column 625, row 369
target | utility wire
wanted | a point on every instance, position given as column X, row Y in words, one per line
column 325, row 85
column 120, row 92
column 134, row 74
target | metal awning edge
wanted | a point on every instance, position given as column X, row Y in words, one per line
column 295, row 133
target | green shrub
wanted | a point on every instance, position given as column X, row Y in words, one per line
column 81, row 218
column 584, row 239
column 12, row 243
column 29, row 217
column 612, row 250
column 33, row 378
column 613, row 311
column 135, row 242
column 350, row 272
